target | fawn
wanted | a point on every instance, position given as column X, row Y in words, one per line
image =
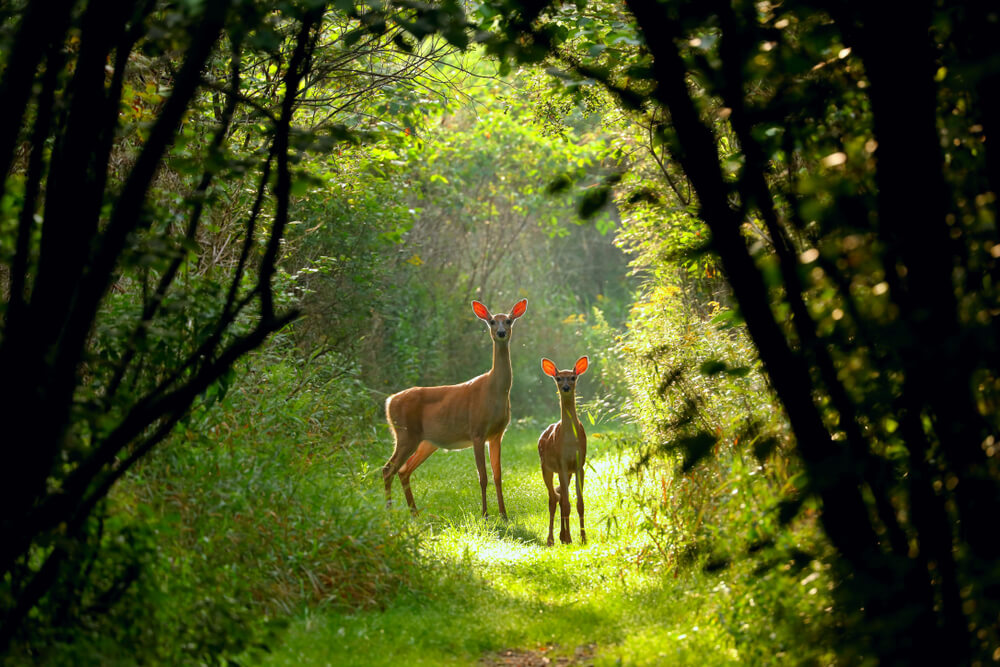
column 455, row 416
column 562, row 449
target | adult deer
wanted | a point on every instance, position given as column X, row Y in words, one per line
column 562, row 449
column 455, row 416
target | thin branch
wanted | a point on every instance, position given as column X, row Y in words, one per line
column 214, row 153
column 33, row 180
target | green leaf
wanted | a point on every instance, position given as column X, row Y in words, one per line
column 712, row 367
column 763, row 447
column 789, row 509
column 594, row 200
column 695, row 448
column 726, row 319
column 560, row 184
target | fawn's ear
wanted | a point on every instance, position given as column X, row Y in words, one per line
column 481, row 311
column 549, row 368
column 519, row 308
column 581, row 365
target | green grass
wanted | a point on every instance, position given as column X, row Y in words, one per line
column 486, row 586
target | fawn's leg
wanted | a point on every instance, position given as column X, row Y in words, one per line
column 564, row 535
column 553, row 501
column 579, row 503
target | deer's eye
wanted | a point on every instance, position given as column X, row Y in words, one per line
column 572, row 379
column 493, row 323
column 508, row 322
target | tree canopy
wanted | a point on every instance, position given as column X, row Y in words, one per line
column 809, row 209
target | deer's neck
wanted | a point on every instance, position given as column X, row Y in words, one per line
column 567, row 401
column 500, row 373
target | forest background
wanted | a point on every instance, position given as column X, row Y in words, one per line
column 229, row 230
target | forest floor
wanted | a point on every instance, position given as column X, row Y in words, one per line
column 500, row 596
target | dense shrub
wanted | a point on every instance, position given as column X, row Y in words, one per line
column 260, row 505
column 719, row 504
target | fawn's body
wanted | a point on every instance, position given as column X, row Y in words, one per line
column 455, row 416
column 562, row 449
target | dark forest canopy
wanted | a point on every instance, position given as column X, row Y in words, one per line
column 159, row 160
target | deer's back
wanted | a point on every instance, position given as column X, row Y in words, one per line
column 449, row 416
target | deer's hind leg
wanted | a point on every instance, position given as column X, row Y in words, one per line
column 406, row 444
column 424, row 449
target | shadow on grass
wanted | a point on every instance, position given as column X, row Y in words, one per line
column 491, row 525
column 516, row 531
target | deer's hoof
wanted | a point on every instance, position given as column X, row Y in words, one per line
column 550, row 542
column 566, row 539
column 583, row 537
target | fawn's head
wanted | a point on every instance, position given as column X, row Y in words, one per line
column 565, row 380
column 502, row 324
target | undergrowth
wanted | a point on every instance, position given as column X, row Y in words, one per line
column 495, row 586
column 258, row 506
column 260, row 526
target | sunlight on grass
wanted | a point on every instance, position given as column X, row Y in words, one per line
column 492, row 585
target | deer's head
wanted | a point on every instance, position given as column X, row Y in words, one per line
column 565, row 380
column 501, row 325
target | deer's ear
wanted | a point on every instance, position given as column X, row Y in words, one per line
column 480, row 310
column 549, row 368
column 519, row 308
column 581, row 365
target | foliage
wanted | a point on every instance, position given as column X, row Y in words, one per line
column 609, row 602
column 486, row 225
column 149, row 153
column 689, row 378
column 110, row 382
column 254, row 509
column 178, row 179
column 879, row 342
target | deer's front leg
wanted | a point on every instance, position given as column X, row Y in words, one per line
column 479, row 447
column 495, row 464
column 553, row 501
column 564, row 535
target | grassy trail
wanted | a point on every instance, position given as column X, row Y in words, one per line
column 490, row 587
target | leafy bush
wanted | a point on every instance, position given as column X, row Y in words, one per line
column 248, row 514
column 699, row 395
column 715, row 481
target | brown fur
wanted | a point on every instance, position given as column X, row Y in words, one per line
column 457, row 416
column 562, row 450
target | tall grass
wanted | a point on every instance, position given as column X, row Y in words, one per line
column 260, row 505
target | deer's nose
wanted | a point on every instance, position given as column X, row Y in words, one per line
column 501, row 333
column 565, row 387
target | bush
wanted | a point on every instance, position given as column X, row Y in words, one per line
column 716, row 482
column 253, row 510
